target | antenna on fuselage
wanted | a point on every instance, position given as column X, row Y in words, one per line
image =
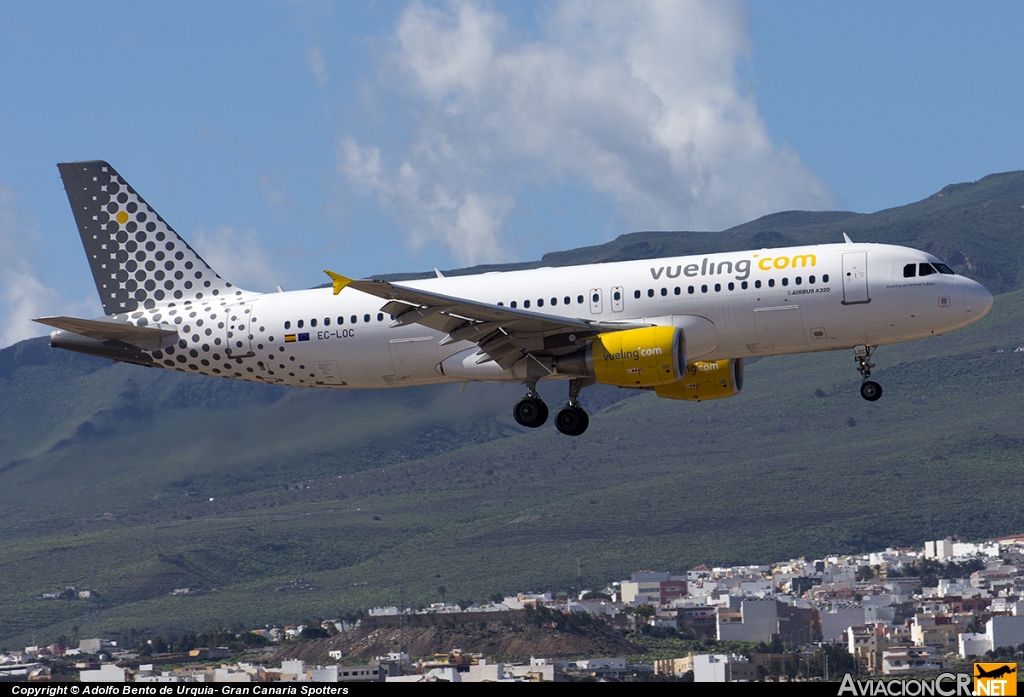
column 847, row 238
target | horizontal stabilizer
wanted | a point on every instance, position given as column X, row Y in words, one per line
column 105, row 330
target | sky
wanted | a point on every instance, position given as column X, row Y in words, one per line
column 283, row 138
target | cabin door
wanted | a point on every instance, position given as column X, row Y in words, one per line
column 855, row 278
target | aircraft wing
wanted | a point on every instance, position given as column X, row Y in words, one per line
column 504, row 334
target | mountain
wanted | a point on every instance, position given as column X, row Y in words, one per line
column 975, row 227
column 275, row 504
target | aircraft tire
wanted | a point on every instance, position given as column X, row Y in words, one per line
column 871, row 391
column 530, row 412
column 572, row 421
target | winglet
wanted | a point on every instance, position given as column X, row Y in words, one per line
column 847, row 238
column 339, row 281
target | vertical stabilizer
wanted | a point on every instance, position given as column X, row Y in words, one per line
column 137, row 259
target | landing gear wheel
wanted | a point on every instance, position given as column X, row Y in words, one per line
column 871, row 390
column 531, row 412
column 571, row 420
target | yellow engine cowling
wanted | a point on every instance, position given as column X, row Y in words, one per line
column 647, row 357
column 706, row 380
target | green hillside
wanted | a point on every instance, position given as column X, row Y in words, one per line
column 276, row 504
column 978, row 228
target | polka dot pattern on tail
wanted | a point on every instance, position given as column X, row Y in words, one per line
column 137, row 259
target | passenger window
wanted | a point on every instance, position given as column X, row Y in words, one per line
column 579, row 299
column 925, row 269
column 287, row 325
column 300, row 324
column 785, row 281
column 526, row 303
column 366, row 318
column 771, row 282
column 341, row 321
column 327, row 321
column 757, row 284
column 354, row 319
column 650, row 292
column 718, row 287
column 703, row 289
column 910, row 270
column 617, row 295
column 810, row 279
column 540, row 302
column 824, row 278
column 595, row 298
column 554, row 301
column 664, row 292
column 380, row 316
column 636, row 294
column 743, row 285
column 567, row 300
column 312, row 322
column 732, row 286
column 799, row 280
column 678, row 290
column 512, row 304
column 690, row 290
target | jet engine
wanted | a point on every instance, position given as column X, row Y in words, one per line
column 706, row 380
column 647, row 357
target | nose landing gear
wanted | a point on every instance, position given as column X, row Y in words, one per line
column 869, row 389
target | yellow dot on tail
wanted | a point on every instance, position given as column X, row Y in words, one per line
column 122, row 217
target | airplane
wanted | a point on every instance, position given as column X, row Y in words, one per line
column 999, row 672
column 680, row 326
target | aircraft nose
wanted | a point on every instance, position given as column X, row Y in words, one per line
column 977, row 300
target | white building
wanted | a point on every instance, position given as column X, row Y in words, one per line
column 760, row 620
column 108, row 672
column 899, row 660
column 722, row 668
column 1005, row 631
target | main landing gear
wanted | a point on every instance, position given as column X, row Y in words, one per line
column 530, row 411
column 572, row 420
column 869, row 389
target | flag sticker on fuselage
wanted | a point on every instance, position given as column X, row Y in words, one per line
column 303, row 337
column 289, row 338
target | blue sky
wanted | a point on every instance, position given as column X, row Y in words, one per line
column 282, row 138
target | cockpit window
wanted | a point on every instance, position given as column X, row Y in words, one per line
column 910, row 270
column 925, row 269
column 944, row 269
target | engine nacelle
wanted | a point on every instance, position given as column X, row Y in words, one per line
column 706, row 380
column 645, row 357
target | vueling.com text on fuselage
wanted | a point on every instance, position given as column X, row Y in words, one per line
column 741, row 268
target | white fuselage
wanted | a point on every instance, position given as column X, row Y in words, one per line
column 765, row 302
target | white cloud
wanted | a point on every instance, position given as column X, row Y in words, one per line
column 433, row 201
column 639, row 102
column 237, row 256
column 317, row 65
column 23, row 295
